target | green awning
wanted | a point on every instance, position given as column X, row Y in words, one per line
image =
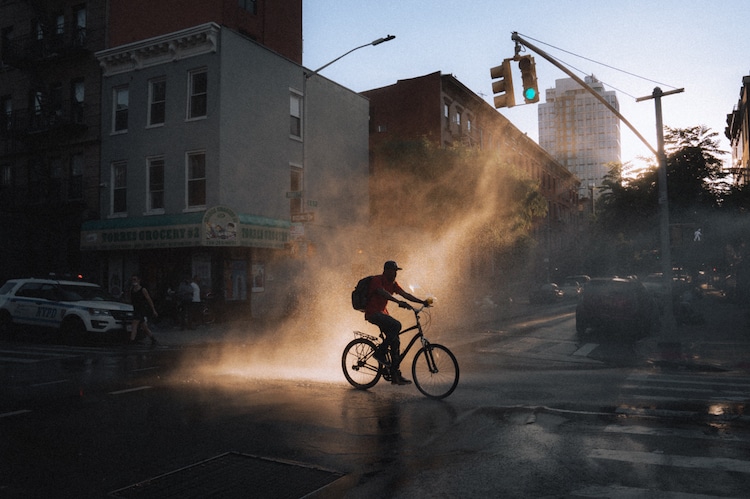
column 217, row 226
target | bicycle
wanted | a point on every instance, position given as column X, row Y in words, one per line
column 434, row 368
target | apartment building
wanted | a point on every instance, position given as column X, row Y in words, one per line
column 216, row 162
column 738, row 133
column 49, row 135
column 579, row 131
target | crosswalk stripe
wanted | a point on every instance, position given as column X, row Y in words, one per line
column 668, row 432
column 652, row 458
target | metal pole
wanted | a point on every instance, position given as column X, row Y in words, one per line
column 387, row 38
column 586, row 87
column 666, row 252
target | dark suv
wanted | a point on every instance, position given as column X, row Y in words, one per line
column 616, row 304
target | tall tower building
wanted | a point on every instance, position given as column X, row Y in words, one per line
column 579, row 131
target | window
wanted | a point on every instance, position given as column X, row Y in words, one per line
column 196, row 179
column 295, row 185
column 79, row 14
column 198, row 92
column 155, row 184
column 77, row 91
column 119, row 187
column 121, row 101
column 157, row 96
column 295, row 112
column 75, row 187
column 249, row 5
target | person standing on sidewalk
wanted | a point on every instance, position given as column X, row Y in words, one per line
column 185, row 295
column 195, row 305
column 143, row 306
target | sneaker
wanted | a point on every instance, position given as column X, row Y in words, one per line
column 400, row 380
column 380, row 357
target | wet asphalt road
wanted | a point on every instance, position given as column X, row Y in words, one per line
column 531, row 418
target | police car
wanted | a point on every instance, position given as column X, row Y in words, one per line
column 74, row 308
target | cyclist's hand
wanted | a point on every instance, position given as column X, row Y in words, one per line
column 428, row 302
column 403, row 304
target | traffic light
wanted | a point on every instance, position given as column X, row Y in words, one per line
column 503, row 87
column 528, row 76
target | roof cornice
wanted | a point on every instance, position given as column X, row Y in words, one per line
column 171, row 47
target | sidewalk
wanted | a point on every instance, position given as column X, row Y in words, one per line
column 721, row 343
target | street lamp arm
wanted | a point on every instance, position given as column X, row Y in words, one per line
column 373, row 43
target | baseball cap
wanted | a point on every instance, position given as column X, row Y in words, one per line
column 391, row 265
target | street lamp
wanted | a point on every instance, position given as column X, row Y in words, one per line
column 384, row 39
column 307, row 76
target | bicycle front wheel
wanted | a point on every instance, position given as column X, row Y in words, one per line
column 435, row 371
column 361, row 369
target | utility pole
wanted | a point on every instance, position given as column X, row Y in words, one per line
column 668, row 325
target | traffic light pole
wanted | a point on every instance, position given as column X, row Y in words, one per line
column 520, row 41
column 668, row 326
column 670, row 348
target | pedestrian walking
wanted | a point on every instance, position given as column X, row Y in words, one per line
column 142, row 307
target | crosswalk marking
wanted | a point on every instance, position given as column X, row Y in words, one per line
column 654, row 458
column 667, row 432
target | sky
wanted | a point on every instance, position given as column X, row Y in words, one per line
column 701, row 46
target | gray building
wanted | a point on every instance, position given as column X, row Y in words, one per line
column 579, row 131
column 220, row 158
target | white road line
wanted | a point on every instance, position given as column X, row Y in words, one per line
column 669, row 432
column 586, row 349
column 46, row 383
column 129, row 390
column 14, row 413
column 708, row 463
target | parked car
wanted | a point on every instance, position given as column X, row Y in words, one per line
column 74, row 308
column 616, row 304
column 571, row 287
column 546, row 293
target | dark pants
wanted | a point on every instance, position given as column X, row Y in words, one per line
column 390, row 327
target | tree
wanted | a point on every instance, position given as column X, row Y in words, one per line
column 628, row 208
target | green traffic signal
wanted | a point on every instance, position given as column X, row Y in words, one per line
column 528, row 76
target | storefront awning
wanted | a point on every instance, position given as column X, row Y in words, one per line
column 217, row 226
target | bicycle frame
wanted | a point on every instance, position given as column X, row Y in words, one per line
column 420, row 333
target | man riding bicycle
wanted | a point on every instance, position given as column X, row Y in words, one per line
column 381, row 291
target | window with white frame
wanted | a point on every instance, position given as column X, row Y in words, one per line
column 120, row 109
column 157, row 98
column 198, row 93
column 155, row 184
column 295, row 114
column 196, row 179
column 119, row 187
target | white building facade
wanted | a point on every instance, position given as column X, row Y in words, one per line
column 579, row 131
column 222, row 159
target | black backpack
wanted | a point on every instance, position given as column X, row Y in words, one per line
column 361, row 294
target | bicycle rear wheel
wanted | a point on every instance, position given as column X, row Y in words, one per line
column 435, row 371
column 361, row 369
